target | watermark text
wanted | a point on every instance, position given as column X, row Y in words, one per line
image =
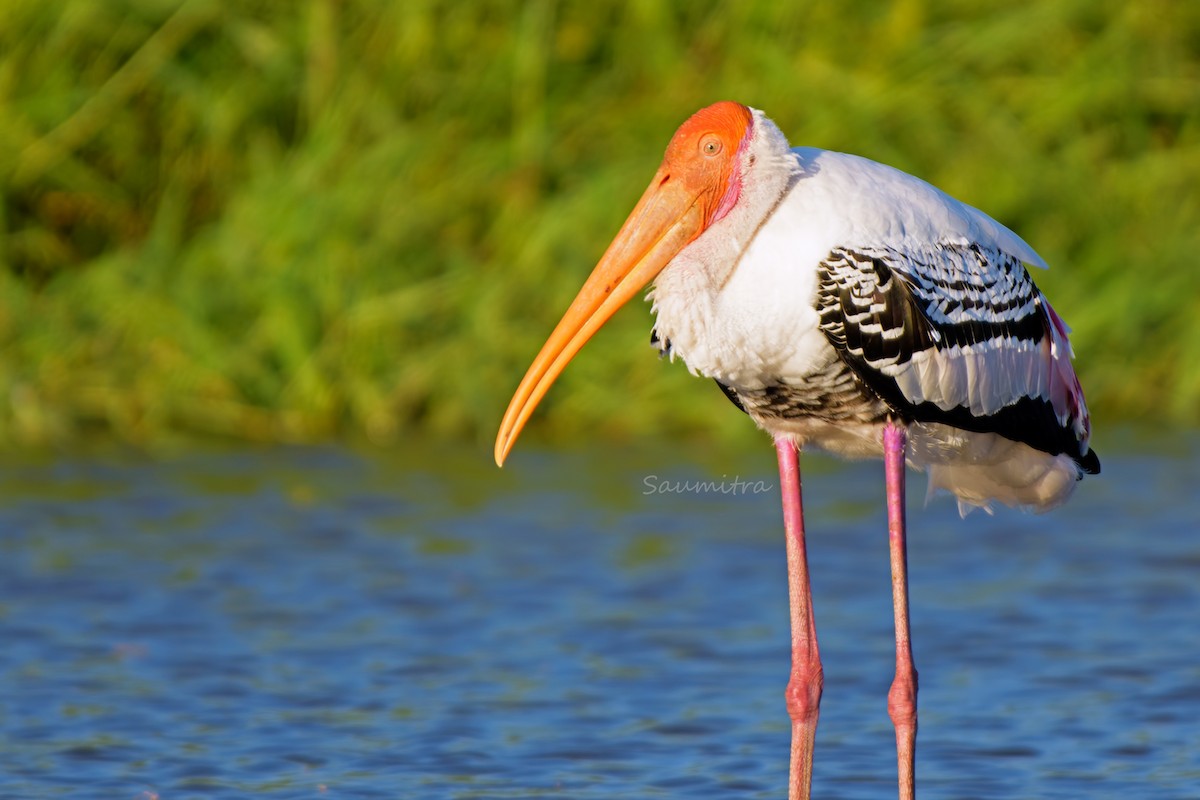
column 652, row 484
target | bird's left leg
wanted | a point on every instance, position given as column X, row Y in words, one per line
column 807, row 677
column 902, row 699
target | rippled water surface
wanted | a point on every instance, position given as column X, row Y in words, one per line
column 327, row 623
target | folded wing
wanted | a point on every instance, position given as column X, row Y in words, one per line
column 957, row 334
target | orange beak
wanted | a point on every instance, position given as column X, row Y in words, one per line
column 665, row 220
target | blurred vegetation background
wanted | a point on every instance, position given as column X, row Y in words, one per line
column 341, row 218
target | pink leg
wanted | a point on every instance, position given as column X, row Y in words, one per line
column 902, row 699
column 804, row 686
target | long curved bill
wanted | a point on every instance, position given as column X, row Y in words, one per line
column 665, row 220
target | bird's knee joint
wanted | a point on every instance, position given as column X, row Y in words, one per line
column 902, row 700
column 803, row 692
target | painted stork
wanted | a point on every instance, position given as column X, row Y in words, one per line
column 842, row 304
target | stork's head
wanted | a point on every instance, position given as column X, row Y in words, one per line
column 698, row 183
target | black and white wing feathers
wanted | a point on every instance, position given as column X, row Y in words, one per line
column 956, row 334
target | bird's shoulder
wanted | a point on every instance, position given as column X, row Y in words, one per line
column 871, row 204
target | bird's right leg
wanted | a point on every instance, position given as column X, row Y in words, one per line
column 804, row 685
column 902, row 699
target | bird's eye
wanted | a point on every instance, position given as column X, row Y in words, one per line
column 710, row 145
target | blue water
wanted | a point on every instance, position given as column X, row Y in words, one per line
column 330, row 623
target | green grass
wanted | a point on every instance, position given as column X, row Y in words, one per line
column 293, row 222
